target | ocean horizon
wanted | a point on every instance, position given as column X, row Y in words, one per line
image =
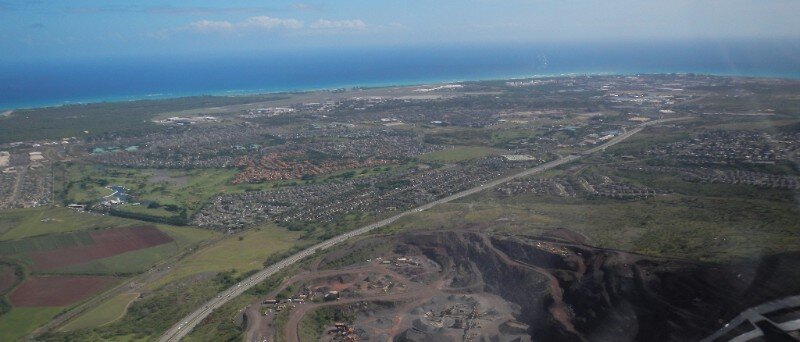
column 32, row 84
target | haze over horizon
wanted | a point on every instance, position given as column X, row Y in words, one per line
column 54, row 30
column 90, row 50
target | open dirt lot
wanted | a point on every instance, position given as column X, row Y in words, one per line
column 57, row 291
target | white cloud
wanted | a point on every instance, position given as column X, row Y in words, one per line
column 339, row 24
column 270, row 23
column 301, row 6
column 265, row 22
column 211, row 26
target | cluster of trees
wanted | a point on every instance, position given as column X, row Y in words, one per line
column 181, row 219
column 19, row 274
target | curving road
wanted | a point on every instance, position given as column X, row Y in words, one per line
column 185, row 325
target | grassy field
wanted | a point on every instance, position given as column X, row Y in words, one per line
column 44, row 243
column 715, row 223
column 219, row 325
column 22, row 223
column 312, row 326
column 140, row 209
column 460, row 153
column 188, row 189
column 105, row 313
column 125, row 263
column 151, row 315
column 148, row 317
column 244, row 255
column 24, row 320
column 188, row 236
column 46, row 229
column 21, row 321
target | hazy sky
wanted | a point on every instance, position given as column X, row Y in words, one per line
column 57, row 29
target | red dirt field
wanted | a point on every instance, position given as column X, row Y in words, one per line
column 7, row 278
column 106, row 243
column 57, row 291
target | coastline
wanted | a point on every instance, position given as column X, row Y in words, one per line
column 8, row 110
column 279, row 90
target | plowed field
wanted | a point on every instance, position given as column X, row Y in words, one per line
column 106, row 243
column 57, row 291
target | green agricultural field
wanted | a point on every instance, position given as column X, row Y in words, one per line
column 243, row 255
column 45, row 242
column 125, row 263
column 141, row 260
column 19, row 322
column 22, row 223
column 105, row 313
column 460, row 153
column 499, row 137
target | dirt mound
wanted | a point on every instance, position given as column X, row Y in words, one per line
column 573, row 292
column 106, row 243
column 57, row 291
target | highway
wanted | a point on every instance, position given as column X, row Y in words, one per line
column 185, row 325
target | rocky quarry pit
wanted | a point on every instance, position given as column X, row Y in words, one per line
column 474, row 286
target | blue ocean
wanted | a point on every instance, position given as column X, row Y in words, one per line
column 25, row 84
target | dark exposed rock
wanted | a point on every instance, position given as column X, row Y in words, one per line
column 575, row 292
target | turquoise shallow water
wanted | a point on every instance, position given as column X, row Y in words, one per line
column 53, row 82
